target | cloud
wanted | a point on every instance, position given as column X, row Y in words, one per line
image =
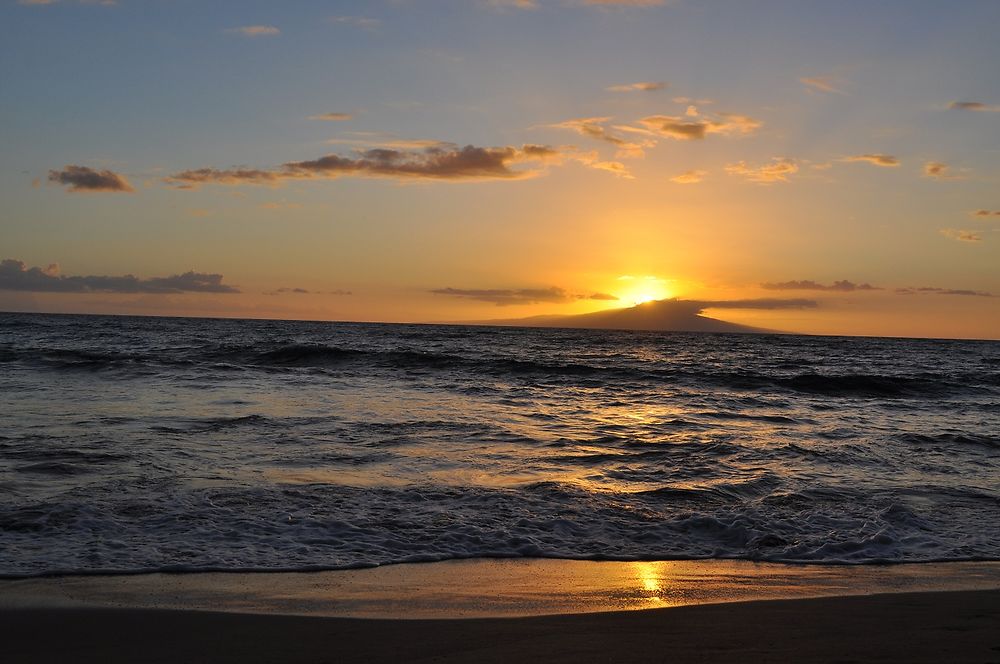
column 689, row 129
column 357, row 21
column 104, row 3
column 778, row 170
column 593, row 128
column 843, row 286
column 641, row 86
column 886, row 160
column 304, row 291
column 519, row 4
column 16, row 276
column 505, row 296
column 986, row 213
column 84, row 179
column 192, row 179
column 934, row 290
column 974, row 106
column 938, row 169
column 332, row 117
column 255, row 31
column 447, row 162
column 624, row 3
column 512, row 296
column 962, row 235
column 689, row 177
column 821, row 84
column 756, row 303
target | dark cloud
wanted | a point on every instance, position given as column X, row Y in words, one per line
column 509, row 296
column 84, row 179
column 16, row 276
column 973, row 106
column 937, row 169
column 986, row 213
column 934, row 290
column 503, row 297
column 843, row 286
column 439, row 162
column 694, row 127
column 304, row 291
column 194, row 178
column 756, row 303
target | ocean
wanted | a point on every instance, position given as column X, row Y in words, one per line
column 133, row 444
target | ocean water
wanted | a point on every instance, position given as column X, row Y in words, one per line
column 141, row 444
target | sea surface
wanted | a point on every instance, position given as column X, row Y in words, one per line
column 143, row 444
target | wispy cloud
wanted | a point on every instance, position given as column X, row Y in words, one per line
column 255, row 31
column 356, row 21
column 778, row 170
column 333, row 117
column 974, row 106
column 689, row 177
column 85, row 179
column 16, row 276
column 962, row 235
column 433, row 163
column 594, row 128
column 304, row 291
column 623, row 3
column 933, row 290
column 875, row 159
column 843, row 286
column 641, row 86
column 104, row 3
column 517, row 4
column 821, row 84
column 985, row 213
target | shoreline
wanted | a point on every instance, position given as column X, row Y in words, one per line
column 513, row 610
column 490, row 588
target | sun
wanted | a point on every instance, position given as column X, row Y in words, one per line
column 639, row 290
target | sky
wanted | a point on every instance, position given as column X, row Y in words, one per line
column 813, row 167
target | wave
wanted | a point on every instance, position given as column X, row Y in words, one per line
column 296, row 356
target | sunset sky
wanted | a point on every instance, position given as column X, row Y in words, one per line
column 435, row 160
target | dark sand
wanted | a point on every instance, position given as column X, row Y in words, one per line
column 906, row 627
column 503, row 611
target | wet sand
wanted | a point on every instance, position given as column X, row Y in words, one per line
column 718, row 611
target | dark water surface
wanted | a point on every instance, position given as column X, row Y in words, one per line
column 131, row 444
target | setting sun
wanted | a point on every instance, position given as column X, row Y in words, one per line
column 639, row 290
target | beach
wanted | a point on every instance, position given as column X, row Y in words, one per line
column 559, row 611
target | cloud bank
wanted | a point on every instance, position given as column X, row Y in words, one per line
column 16, row 276
column 843, row 286
column 432, row 163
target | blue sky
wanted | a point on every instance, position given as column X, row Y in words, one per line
column 780, row 190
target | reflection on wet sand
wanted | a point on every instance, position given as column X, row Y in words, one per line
column 503, row 587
